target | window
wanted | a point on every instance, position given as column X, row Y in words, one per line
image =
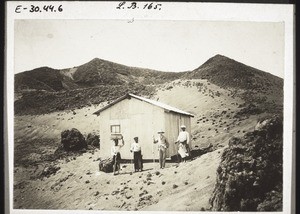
column 115, row 129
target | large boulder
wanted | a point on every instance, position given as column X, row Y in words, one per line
column 93, row 140
column 73, row 140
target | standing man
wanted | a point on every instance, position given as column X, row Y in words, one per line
column 163, row 145
column 183, row 140
column 137, row 155
column 115, row 152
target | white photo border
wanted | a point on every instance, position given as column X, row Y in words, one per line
column 170, row 11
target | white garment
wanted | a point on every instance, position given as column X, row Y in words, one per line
column 183, row 136
column 135, row 147
column 116, row 149
column 182, row 151
column 161, row 142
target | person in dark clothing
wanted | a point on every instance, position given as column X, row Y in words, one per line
column 115, row 151
column 137, row 155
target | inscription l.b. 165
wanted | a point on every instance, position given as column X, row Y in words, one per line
column 135, row 5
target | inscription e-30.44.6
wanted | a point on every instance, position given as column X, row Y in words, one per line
column 37, row 8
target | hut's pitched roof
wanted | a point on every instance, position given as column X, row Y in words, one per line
column 153, row 102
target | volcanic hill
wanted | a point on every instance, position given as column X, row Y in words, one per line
column 45, row 90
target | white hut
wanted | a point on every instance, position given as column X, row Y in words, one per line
column 135, row 116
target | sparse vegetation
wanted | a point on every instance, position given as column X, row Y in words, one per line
column 45, row 90
column 229, row 97
column 43, row 102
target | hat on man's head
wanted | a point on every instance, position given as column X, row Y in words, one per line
column 160, row 131
column 183, row 126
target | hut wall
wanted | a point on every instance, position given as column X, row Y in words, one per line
column 173, row 121
column 136, row 119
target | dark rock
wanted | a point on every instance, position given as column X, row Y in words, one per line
column 73, row 140
column 115, row 192
column 49, row 170
column 273, row 201
column 93, row 140
column 106, row 165
column 145, row 198
column 143, row 193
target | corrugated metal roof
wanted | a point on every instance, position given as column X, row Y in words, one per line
column 153, row 102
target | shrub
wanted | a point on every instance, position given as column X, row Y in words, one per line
column 73, row 140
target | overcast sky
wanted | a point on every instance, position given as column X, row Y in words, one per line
column 159, row 45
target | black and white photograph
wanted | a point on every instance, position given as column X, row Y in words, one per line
column 145, row 112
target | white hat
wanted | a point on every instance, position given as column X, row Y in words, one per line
column 183, row 126
column 161, row 131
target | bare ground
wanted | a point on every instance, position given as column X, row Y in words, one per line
column 79, row 184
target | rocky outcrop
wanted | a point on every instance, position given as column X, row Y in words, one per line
column 249, row 177
column 73, row 140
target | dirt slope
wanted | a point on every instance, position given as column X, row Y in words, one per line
column 79, row 184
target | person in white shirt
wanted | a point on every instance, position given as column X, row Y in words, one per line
column 163, row 145
column 137, row 155
column 115, row 152
column 183, row 140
